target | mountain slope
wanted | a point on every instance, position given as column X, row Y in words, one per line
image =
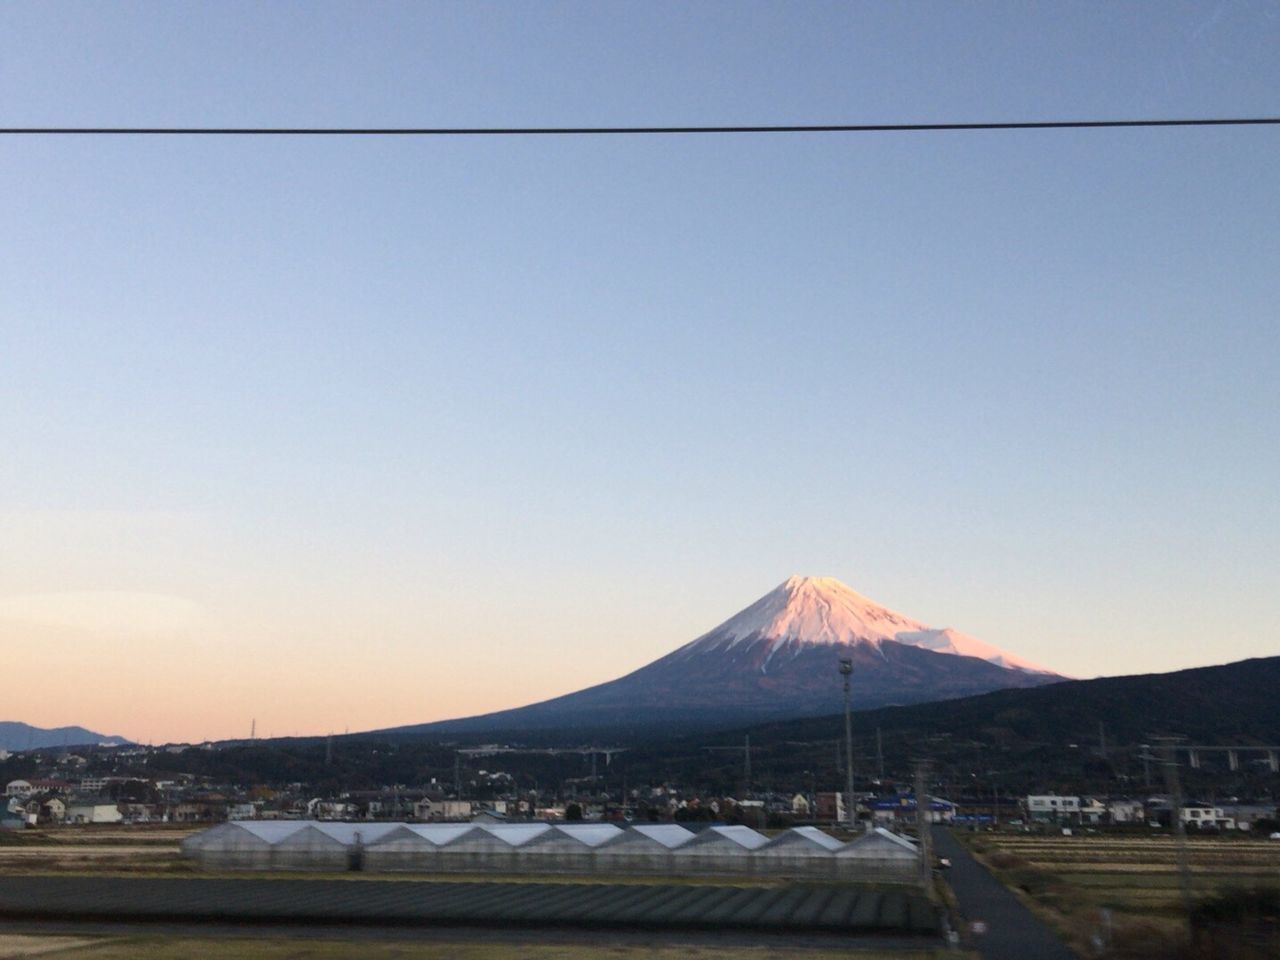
column 1230, row 703
column 1016, row 740
column 15, row 735
column 776, row 658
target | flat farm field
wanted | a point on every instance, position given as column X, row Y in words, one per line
column 105, row 848
column 1122, row 889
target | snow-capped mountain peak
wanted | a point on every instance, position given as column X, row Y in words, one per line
column 806, row 611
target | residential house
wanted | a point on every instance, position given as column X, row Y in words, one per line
column 1052, row 808
column 1203, row 816
column 898, row 807
column 1126, row 811
column 92, row 810
column 435, row 809
column 1093, row 811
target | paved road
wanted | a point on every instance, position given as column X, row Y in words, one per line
column 1013, row 931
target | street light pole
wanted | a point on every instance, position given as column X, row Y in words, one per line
column 851, row 806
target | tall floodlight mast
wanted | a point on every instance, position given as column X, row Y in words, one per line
column 851, row 806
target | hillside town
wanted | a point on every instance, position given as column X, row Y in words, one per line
column 74, row 789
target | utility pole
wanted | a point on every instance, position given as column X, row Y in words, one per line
column 879, row 755
column 995, row 802
column 1174, row 785
column 1102, row 740
column 851, row 805
column 746, row 768
column 922, row 827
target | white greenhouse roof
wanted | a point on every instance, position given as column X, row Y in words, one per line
column 592, row 834
column 808, row 836
column 441, row 833
column 670, row 835
column 271, row 831
column 744, row 837
column 879, row 837
column 515, row 834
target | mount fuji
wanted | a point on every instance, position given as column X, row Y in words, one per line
column 775, row 659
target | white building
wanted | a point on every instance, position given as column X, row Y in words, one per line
column 1126, row 811
column 443, row 809
column 91, row 811
column 1050, row 806
column 1206, row 818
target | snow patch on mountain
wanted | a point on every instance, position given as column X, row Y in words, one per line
column 807, row 611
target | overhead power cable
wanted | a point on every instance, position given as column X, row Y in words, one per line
column 632, row 131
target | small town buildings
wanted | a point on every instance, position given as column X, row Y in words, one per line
column 1201, row 816
column 830, row 807
column 435, row 808
column 1246, row 815
column 1052, row 808
column 45, row 808
column 1093, row 811
column 12, row 815
column 93, row 810
column 25, row 788
column 901, row 807
column 1126, row 811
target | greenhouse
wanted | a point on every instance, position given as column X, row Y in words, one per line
column 543, row 848
column 719, row 850
column 412, row 847
column 642, row 849
column 800, row 851
column 879, row 855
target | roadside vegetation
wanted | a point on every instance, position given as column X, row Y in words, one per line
column 1121, row 896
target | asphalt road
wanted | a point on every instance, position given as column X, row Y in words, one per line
column 1012, row 931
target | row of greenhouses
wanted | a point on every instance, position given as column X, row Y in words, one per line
column 544, row 848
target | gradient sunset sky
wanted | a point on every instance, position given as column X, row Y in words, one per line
column 342, row 434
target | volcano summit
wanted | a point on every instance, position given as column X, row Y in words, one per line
column 777, row 659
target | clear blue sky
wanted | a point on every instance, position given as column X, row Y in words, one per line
column 342, row 433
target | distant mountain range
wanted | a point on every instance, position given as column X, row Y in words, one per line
column 775, row 659
column 22, row 736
